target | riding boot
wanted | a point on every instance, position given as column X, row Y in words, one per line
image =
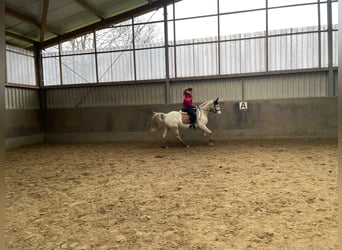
column 192, row 126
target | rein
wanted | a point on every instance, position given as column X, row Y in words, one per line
column 199, row 107
column 209, row 110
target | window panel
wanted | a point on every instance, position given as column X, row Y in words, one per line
column 157, row 15
column 243, row 56
column 150, row 64
column 118, row 38
column 51, row 71
column 172, row 72
column 292, row 17
column 170, row 12
column 324, row 14
column 20, row 67
column 233, row 5
column 115, row 66
column 199, row 29
column 230, row 57
column 324, row 49
column 275, row 3
column 79, row 45
column 197, row 60
column 170, row 32
column 149, row 35
column 51, row 66
column 257, row 18
column 78, row 69
column 51, row 51
column 293, row 52
column 192, row 8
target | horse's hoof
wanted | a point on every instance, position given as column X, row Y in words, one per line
column 187, row 146
column 211, row 144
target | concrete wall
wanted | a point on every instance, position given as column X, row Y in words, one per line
column 278, row 118
column 23, row 127
column 290, row 118
column 23, row 122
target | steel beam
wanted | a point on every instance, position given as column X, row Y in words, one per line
column 44, row 17
column 339, row 110
column 331, row 83
column 167, row 63
column 19, row 37
column 2, row 118
column 40, row 84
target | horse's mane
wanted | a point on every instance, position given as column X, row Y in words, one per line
column 204, row 103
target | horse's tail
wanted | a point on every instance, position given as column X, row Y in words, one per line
column 157, row 121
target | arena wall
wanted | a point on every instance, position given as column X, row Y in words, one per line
column 23, row 117
column 277, row 118
column 287, row 105
column 23, row 127
column 290, row 118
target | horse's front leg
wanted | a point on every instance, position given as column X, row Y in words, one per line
column 206, row 131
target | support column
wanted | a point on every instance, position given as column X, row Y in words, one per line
column 331, row 83
column 167, row 64
column 266, row 39
column 40, row 84
column 339, row 114
column 2, row 118
column 2, row 76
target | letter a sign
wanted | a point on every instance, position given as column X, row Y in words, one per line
column 243, row 105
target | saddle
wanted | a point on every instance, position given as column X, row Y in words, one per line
column 185, row 117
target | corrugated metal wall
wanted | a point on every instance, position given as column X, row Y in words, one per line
column 102, row 96
column 226, row 89
column 286, row 86
column 310, row 84
column 279, row 86
column 21, row 98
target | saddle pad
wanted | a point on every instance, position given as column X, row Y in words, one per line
column 185, row 118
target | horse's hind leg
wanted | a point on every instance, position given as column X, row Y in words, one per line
column 210, row 140
column 179, row 138
column 166, row 129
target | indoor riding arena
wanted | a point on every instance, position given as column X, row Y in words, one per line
column 98, row 156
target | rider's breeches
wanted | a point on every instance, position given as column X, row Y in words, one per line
column 192, row 114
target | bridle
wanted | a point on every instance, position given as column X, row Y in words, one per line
column 216, row 108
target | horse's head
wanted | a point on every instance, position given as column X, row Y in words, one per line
column 210, row 105
column 217, row 108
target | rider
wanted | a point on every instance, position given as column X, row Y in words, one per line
column 189, row 107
